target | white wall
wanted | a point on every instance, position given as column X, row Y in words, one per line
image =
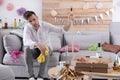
column 116, row 12
column 34, row 5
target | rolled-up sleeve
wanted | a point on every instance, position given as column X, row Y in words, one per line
column 27, row 37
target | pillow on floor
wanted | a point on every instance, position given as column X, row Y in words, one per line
column 11, row 42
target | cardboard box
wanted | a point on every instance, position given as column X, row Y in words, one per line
column 93, row 66
column 100, row 70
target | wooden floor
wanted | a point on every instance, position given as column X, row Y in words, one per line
column 27, row 79
column 48, row 79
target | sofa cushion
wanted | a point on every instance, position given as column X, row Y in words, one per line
column 11, row 42
column 9, row 60
column 86, row 39
column 6, row 73
column 53, row 60
column 55, row 39
column 116, row 39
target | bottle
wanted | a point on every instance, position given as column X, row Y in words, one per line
column 19, row 23
column 117, row 61
column 71, row 13
column 99, row 50
column 6, row 23
column 0, row 23
column 15, row 23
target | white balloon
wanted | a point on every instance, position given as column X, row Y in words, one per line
column 99, row 6
column 53, row 13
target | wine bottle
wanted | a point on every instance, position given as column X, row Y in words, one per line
column 0, row 23
column 6, row 23
column 99, row 50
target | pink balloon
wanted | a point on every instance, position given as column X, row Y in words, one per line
column 10, row 6
column 1, row 2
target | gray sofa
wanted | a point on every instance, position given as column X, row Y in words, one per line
column 6, row 73
column 83, row 38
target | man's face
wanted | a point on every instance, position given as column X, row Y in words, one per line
column 33, row 20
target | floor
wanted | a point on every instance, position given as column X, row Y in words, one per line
column 21, row 79
column 47, row 79
column 44, row 79
column 27, row 79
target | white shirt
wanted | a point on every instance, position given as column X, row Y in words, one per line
column 31, row 36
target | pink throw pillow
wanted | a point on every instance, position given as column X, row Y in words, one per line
column 15, row 55
column 76, row 48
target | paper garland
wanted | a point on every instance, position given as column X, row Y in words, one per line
column 107, row 13
column 96, row 18
column 101, row 16
column 81, row 21
column 88, row 19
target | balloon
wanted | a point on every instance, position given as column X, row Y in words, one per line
column 1, row 2
column 99, row 6
column 53, row 13
column 21, row 11
column 10, row 6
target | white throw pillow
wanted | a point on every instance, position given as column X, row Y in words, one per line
column 11, row 42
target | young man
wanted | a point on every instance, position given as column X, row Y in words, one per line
column 35, row 38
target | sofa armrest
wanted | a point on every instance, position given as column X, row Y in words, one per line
column 118, row 53
column 2, row 51
column 1, row 48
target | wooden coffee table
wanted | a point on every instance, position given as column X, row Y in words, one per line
column 53, row 73
column 109, row 76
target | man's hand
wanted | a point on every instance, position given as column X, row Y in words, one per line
column 71, row 17
column 40, row 46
